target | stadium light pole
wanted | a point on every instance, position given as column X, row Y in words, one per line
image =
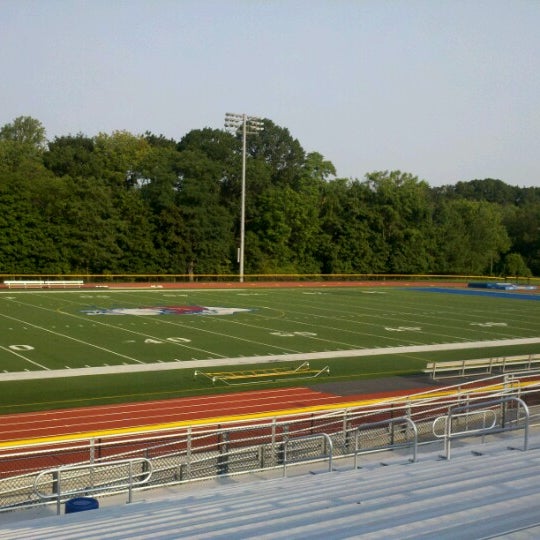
column 247, row 125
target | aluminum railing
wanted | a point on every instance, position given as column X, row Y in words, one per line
column 390, row 423
column 115, row 476
column 327, row 451
column 475, row 412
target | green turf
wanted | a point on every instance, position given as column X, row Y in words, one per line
column 53, row 330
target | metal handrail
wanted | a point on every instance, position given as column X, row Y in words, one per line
column 125, row 482
column 484, row 414
column 468, row 409
column 324, row 436
column 388, row 422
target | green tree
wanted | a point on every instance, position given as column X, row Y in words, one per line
column 120, row 157
column 318, row 168
column 92, row 220
column 134, row 235
column 401, row 213
column 283, row 154
column 267, row 241
column 26, row 131
column 208, row 224
column 515, row 266
column 32, row 200
column 523, row 226
column 73, row 155
column 32, row 232
column 172, row 241
column 470, row 237
column 128, row 203
column 489, row 189
column 160, row 170
column 22, row 143
column 347, row 243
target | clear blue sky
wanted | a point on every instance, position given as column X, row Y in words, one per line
column 447, row 90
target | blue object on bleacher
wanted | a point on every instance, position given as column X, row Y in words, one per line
column 80, row 504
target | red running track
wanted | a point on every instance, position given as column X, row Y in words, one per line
column 24, row 426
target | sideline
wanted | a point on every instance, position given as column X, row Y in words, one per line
column 267, row 359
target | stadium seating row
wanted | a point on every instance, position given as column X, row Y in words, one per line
column 42, row 283
column 478, row 366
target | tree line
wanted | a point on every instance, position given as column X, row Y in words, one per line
column 121, row 203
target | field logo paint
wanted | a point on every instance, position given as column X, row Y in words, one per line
column 167, row 310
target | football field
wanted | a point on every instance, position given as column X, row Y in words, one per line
column 356, row 331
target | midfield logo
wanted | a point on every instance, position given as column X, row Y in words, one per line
column 167, row 310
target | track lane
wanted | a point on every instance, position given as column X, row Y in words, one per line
column 24, row 426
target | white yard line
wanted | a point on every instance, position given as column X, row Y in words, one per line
column 71, row 338
column 267, row 359
column 23, row 357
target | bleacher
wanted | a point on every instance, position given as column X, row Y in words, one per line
column 43, row 283
column 482, row 366
column 485, row 491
